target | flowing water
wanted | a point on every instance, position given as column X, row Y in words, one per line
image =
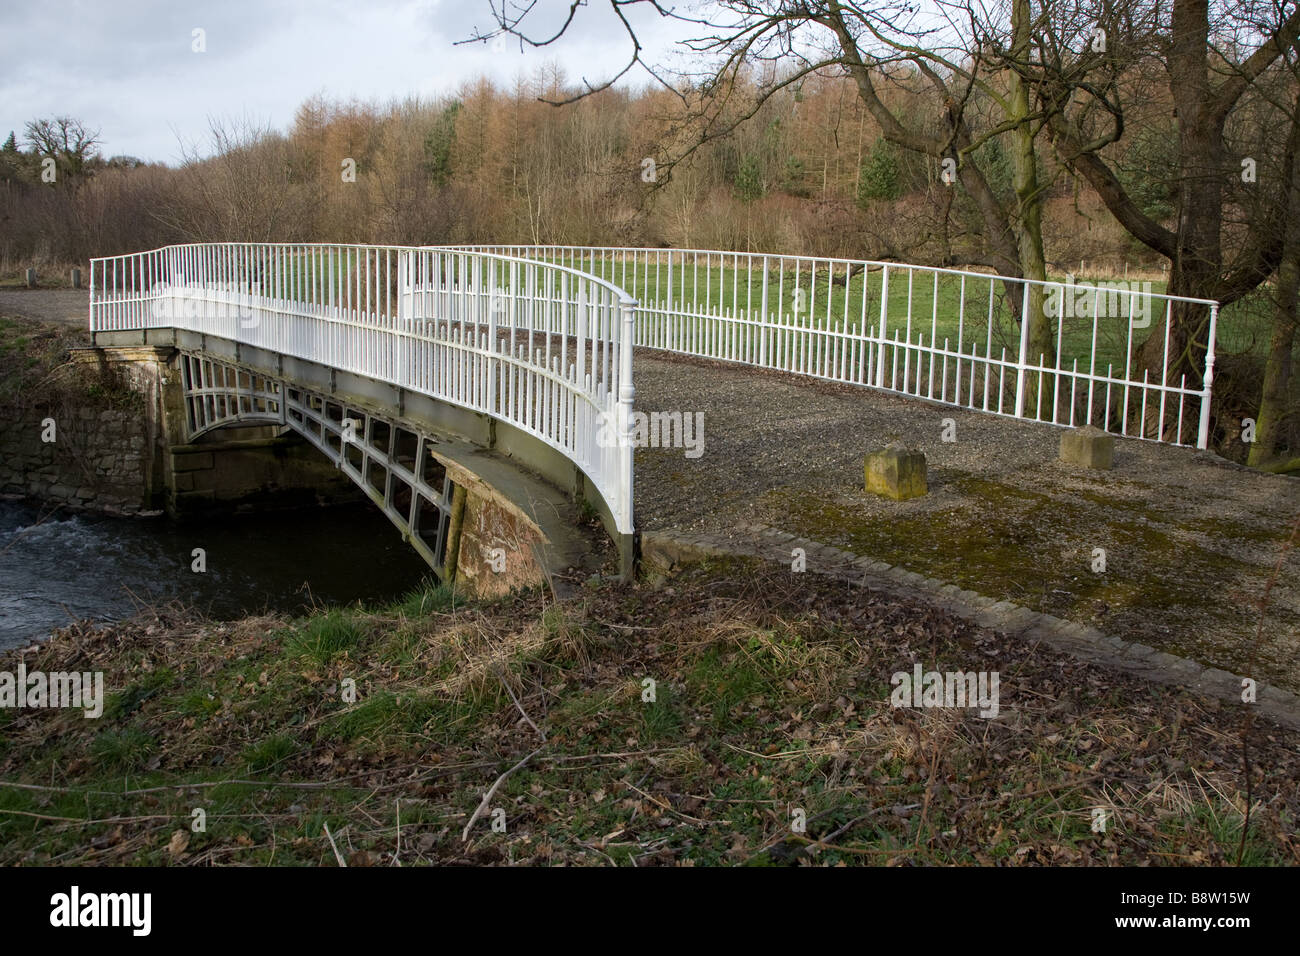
column 58, row 567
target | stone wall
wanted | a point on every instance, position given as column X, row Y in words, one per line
column 120, row 446
column 252, row 468
column 101, row 457
column 499, row 549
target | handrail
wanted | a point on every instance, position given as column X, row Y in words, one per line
column 952, row 336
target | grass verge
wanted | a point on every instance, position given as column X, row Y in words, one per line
column 688, row 720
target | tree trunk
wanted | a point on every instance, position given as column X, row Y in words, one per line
column 1029, row 237
column 1197, row 265
column 1276, row 416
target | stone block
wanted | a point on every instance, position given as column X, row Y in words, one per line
column 1088, row 447
column 895, row 472
column 191, row 461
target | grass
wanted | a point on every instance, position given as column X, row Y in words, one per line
column 770, row 703
column 122, row 750
column 324, row 636
column 1173, row 582
column 34, row 371
column 268, row 752
column 921, row 304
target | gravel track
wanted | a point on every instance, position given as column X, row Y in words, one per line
column 64, row 306
column 1190, row 538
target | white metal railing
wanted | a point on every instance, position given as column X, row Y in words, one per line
column 540, row 345
column 948, row 335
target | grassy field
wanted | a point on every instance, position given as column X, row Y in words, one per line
column 921, row 303
column 770, row 705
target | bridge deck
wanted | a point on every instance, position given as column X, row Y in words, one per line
column 1190, row 538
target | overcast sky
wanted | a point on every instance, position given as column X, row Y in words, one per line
column 127, row 67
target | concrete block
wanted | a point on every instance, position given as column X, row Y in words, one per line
column 895, row 472
column 1020, row 617
column 1088, row 447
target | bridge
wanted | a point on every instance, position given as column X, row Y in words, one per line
column 490, row 386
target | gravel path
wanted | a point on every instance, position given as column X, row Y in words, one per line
column 1189, row 538
column 65, row 306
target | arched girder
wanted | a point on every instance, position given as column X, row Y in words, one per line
column 389, row 459
column 218, row 394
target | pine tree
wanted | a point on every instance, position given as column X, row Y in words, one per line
column 880, row 174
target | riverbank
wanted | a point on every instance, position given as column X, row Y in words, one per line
column 766, row 737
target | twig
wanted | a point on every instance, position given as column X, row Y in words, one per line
column 812, row 752
column 397, row 853
column 337, row 855
column 487, row 797
column 667, row 806
column 294, row 785
column 520, row 707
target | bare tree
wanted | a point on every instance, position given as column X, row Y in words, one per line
column 1080, row 71
column 67, row 141
column 1211, row 56
column 247, row 191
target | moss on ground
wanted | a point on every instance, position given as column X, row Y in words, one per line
column 1165, row 584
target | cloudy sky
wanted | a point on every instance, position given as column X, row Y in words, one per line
column 127, row 68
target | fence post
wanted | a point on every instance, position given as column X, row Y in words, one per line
column 884, row 318
column 626, row 428
column 667, row 306
column 494, row 303
column 762, row 321
column 1207, row 382
column 581, row 336
column 1024, row 352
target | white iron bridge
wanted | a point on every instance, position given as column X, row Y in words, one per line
column 540, row 340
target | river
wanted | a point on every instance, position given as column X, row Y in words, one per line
column 58, row 567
